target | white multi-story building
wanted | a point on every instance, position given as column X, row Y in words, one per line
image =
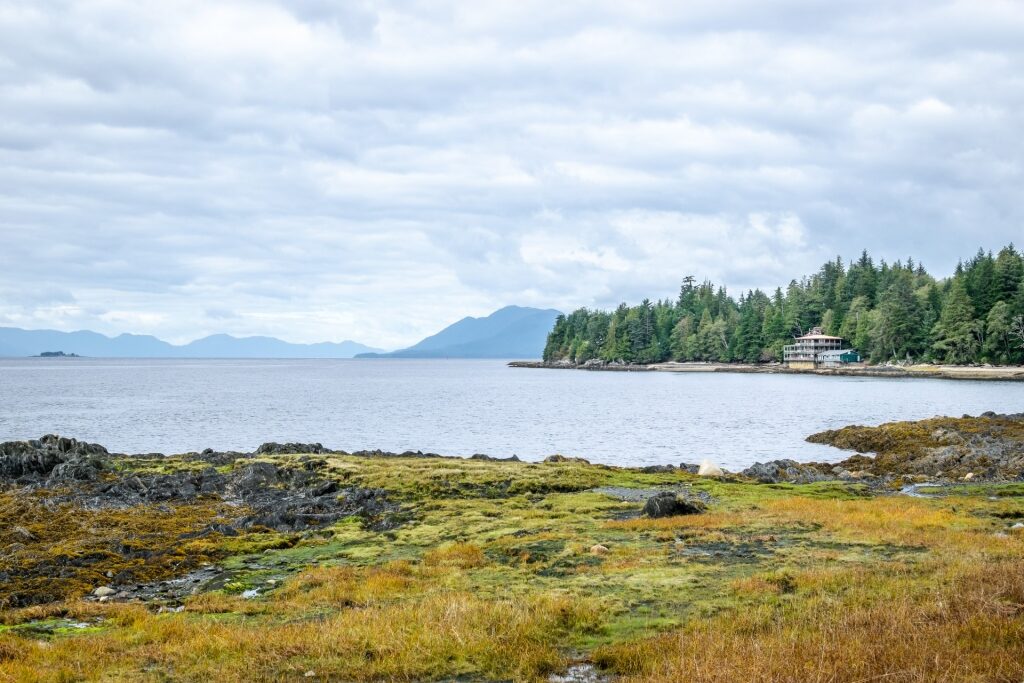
column 804, row 352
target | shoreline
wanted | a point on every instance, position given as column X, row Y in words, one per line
column 1014, row 373
column 536, row 571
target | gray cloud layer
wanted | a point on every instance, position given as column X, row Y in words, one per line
column 295, row 169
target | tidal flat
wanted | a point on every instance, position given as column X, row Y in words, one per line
column 299, row 563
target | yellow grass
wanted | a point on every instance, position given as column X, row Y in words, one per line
column 851, row 628
column 774, row 583
column 368, row 635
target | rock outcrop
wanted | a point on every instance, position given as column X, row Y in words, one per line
column 790, row 471
column 671, row 504
column 989, row 447
column 290, row 496
column 52, row 458
column 273, row 448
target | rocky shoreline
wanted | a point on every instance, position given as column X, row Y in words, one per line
column 956, row 372
column 295, row 560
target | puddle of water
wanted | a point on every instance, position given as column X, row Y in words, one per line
column 579, row 673
column 913, row 490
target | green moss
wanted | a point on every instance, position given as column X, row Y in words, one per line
column 526, row 531
column 53, row 628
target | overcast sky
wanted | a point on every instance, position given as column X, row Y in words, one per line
column 378, row 171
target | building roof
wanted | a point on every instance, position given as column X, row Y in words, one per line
column 817, row 333
column 819, row 336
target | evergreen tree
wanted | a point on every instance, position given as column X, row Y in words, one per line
column 897, row 333
column 1009, row 273
column 682, row 339
column 997, row 333
column 956, row 333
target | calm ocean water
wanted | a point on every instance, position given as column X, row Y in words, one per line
column 461, row 407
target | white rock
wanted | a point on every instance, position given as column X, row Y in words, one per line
column 709, row 469
column 104, row 592
column 1018, row 525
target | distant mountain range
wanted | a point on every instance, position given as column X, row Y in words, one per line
column 19, row 343
column 512, row 332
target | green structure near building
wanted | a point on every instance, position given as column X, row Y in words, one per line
column 839, row 358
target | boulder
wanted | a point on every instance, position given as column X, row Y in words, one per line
column 274, row 448
column 562, row 458
column 104, row 592
column 55, row 457
column 669, row 504
column 658, row 469
column 255, row 476
column 786, row 471
column 709, row 469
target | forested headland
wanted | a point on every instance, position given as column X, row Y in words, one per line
column 887, row 311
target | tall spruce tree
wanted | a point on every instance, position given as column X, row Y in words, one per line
column 956, row 333
column 897, row 332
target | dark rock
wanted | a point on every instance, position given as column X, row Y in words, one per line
column 658, row 469
column 255, row 476
column 789, row 471
column 324, row 487
column 689, row 467
column 55, row 457
column 273, row 448
column 669, row 504
column 491, row 458
column 212, row 457
column 75, row 470
column 287, row 497
column 562, row 458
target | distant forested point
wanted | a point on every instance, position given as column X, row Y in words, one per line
column 888, row 312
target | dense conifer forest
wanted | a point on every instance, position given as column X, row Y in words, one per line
column 888, row 312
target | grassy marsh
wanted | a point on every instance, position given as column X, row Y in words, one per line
column 492, row 577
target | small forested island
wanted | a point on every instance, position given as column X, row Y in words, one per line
column 296, row 562
column 57, row 354
column 889, row 312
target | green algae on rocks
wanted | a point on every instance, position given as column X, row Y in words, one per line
column 494, row 570
column 989, row 447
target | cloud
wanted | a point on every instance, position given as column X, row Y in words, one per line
column 317, row 170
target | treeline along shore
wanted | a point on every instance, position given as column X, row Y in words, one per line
column 890, row 313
